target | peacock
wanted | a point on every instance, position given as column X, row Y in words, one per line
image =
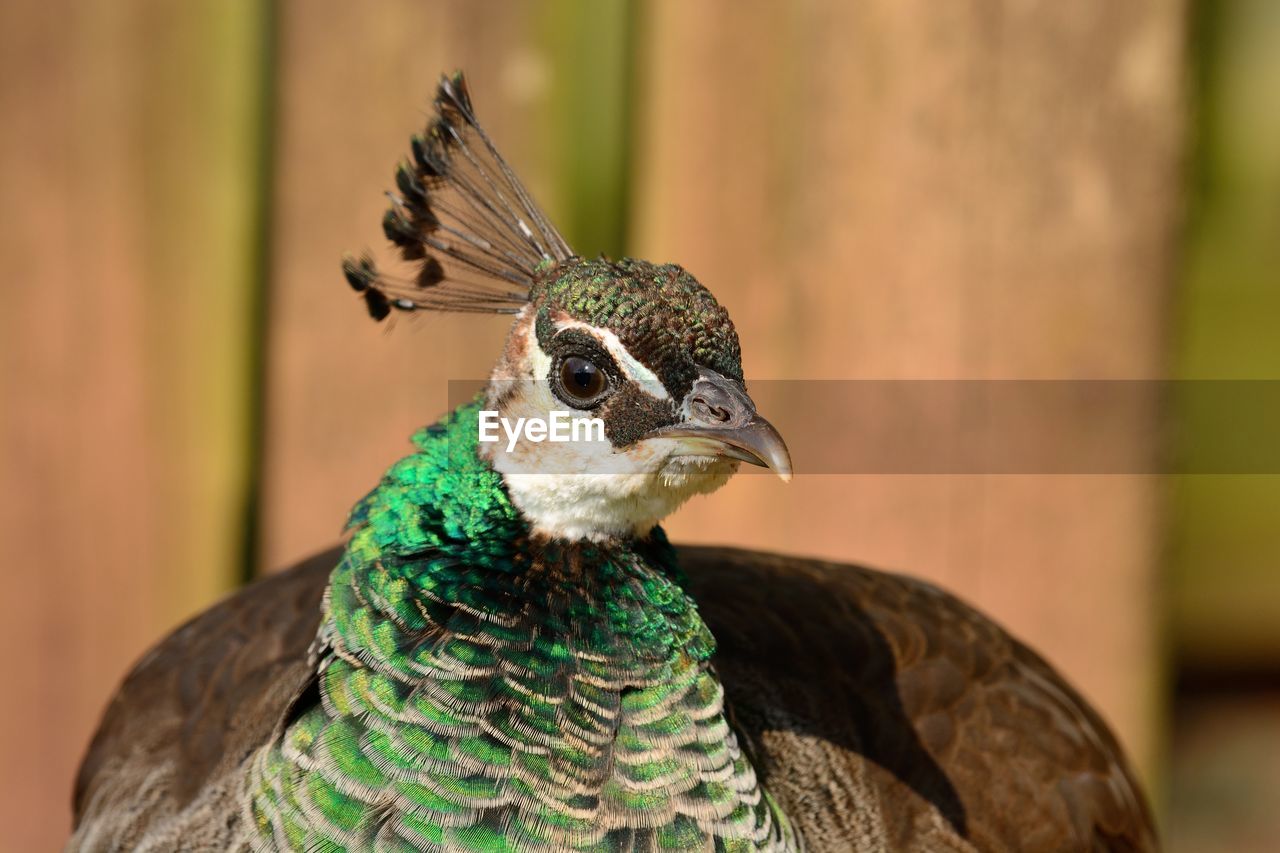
column 508, row 654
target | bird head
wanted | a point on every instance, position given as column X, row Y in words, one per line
column 634, row 365
column 651, row 354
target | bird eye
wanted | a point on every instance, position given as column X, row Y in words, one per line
column 581, row 379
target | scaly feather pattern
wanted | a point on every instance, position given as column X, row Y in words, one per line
column 463, row 218
column 480, row 689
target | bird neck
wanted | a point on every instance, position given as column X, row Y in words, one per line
column 480, row 688
column 440, row 535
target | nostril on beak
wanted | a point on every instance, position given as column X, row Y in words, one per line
column 707, row 412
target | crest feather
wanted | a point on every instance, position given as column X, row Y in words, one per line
column 463, row 217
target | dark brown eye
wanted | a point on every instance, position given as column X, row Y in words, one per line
column 581, row 379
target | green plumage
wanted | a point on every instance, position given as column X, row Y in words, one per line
column 482, row 689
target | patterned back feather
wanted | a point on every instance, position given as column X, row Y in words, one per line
column 463, row 218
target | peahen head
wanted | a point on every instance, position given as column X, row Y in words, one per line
column 640, row 355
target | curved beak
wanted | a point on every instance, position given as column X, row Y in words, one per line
column 719, row 419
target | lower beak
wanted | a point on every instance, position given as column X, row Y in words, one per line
column 757, row 443
column 721, row 420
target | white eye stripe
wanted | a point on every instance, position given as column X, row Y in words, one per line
column 626, row 362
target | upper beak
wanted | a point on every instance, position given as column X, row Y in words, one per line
column 721, row 420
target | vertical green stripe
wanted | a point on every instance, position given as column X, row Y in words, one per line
column 201, row 134
column 1223, row 582
column 591, row 44
column 260, row 273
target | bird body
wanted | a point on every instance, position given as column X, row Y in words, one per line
column 508, row 654
column 880, row 713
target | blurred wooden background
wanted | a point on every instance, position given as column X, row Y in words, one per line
column 885, row 189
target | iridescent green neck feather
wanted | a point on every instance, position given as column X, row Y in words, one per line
column 480, row 689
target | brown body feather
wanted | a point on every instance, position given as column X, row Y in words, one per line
column 881, row 713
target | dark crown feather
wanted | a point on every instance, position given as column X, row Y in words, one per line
column 463, row 217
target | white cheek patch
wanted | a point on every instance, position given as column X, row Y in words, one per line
column 589, row 490
column 539, row 361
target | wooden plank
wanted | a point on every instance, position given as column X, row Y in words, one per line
column 127, row 173
column 914, row 190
